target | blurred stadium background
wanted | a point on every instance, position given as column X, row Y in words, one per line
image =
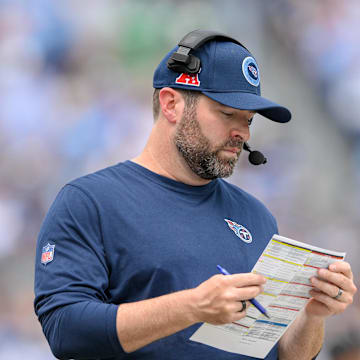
column 75, row 96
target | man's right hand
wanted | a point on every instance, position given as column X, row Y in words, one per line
column 218, row 300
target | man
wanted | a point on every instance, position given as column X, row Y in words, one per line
column 126, row 257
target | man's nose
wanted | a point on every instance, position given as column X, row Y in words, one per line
column 240, row 132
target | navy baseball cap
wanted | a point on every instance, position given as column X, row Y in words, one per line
column 229, row 75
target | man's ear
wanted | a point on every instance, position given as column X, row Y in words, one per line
column 171, row 104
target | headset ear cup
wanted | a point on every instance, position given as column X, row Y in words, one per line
column 176, row 66
column 192, row 67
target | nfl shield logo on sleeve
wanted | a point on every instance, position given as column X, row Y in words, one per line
column 47, row 254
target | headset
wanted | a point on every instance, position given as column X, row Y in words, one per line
column 182, row 61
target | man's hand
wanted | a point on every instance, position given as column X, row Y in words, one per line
column 218, row 299
column 303, row 340
column 326, row 286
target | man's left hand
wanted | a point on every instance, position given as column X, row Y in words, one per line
column 333, row 291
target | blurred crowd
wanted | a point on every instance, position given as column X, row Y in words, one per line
column 75, row 96
column 324, row 37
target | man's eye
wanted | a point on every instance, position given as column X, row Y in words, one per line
column 227, row 114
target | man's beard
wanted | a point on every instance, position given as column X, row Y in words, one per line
column 197, row 151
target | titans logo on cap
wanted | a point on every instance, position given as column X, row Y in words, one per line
column 251, row 71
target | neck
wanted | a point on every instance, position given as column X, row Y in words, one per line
column 161, row 156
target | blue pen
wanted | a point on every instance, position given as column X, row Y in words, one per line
column 253, row 301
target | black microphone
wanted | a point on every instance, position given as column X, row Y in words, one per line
column 255, row 157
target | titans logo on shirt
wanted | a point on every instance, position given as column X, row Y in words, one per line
column 240, row 231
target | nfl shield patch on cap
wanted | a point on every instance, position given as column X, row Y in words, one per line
column 47, row 254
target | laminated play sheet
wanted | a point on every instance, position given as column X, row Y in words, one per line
column 288, row 266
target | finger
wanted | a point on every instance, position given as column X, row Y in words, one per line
column 235, row 307
column 240, row 313
column 242, row 305
column 333, row 305
column 238, row 316
column 329, row 289
column 342, row 267
column 338, row 279
column 248, row 279
column 248, row 292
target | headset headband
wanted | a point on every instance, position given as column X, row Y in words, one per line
column 183, row 62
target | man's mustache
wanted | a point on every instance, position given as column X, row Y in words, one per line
column 233, row 143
